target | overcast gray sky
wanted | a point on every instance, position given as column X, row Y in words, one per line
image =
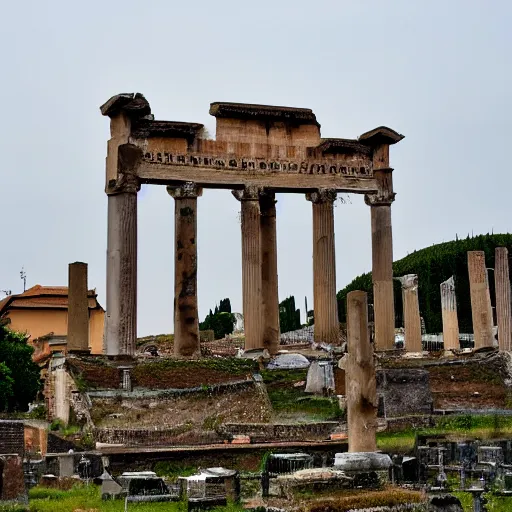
column 438, row 71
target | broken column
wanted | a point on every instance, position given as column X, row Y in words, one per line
column 251, row 266
column 502, row 287
column 269, row 277
column 360, row 383
column 481, row 310
column 186, row 317
column 449, row 313
column 78, row 308
column 122, row 185
column 326, row 327
column 412, row 321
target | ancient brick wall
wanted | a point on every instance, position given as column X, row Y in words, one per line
column 12, row 438
column 404, row 391
column 265, row 433
column 258, row 433
column 12, row 482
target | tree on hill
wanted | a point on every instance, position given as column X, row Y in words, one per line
column 225, row 306
column 19, row 375
column 221, row 322
column 289, row 317
column 434, row 265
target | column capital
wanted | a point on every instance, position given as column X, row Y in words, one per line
column 186, row 190
column 249, row 193
column 322, row 195
column 126, row 183
column 409, row 281
column 383, row 198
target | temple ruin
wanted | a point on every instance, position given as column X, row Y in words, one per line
column 258, row 151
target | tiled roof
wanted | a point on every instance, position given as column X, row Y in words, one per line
column 51, row 297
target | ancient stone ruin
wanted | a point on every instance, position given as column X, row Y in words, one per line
column 259, row 151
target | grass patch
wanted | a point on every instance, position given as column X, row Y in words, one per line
column 285, row 396
column 82, row 497
column 485, row 426
column 358, row 499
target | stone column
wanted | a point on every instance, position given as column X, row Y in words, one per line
column 269, row 279
column 121, row 317
column 360, row 382
column 382, row 260
column 121, row 187
column 324, row 267
column 251, row 266
column 481, row 310
column 502, row 286
column 78, row 309
column 412, row 321
column 449, row 312
column 186, row 318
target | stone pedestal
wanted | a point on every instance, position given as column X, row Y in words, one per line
column 78, row 309
column 360, row 381
column 251, row 266
column 412, row 321
column 481, row 310
column 121, row 316
column 449, row 313
column 186, row 319
column 502, row 287
column 326, row 328
column 269, row 278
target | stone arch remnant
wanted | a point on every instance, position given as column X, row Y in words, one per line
column 259, row 151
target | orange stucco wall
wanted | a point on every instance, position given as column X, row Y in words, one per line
column 38, row 322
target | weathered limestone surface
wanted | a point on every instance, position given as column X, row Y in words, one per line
column 449, row 313
column 481, row 310
column 186, row 318
column 78, row 308
column 251, row 266
column 412, row 319
column 269, row 278
column 326, row 328
column 361, row 387
column 503, row 306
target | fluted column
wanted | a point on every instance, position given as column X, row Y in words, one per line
column 251, row 266
column 360, row 380
column 269, row 277
column 382, row 260
column 186, row 318
column 502, row 287
column 324, row 267
column 412, row 320
column 121, row 317
column 449, row 313
column 481, row 310
column 77, row 339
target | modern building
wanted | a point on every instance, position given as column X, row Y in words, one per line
column 42, row 313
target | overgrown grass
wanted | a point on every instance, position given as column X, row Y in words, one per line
column 86, row 498
column 487, row 426
column 494, row 503
column 285, row 397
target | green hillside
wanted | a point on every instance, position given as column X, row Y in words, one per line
column 434, row 265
